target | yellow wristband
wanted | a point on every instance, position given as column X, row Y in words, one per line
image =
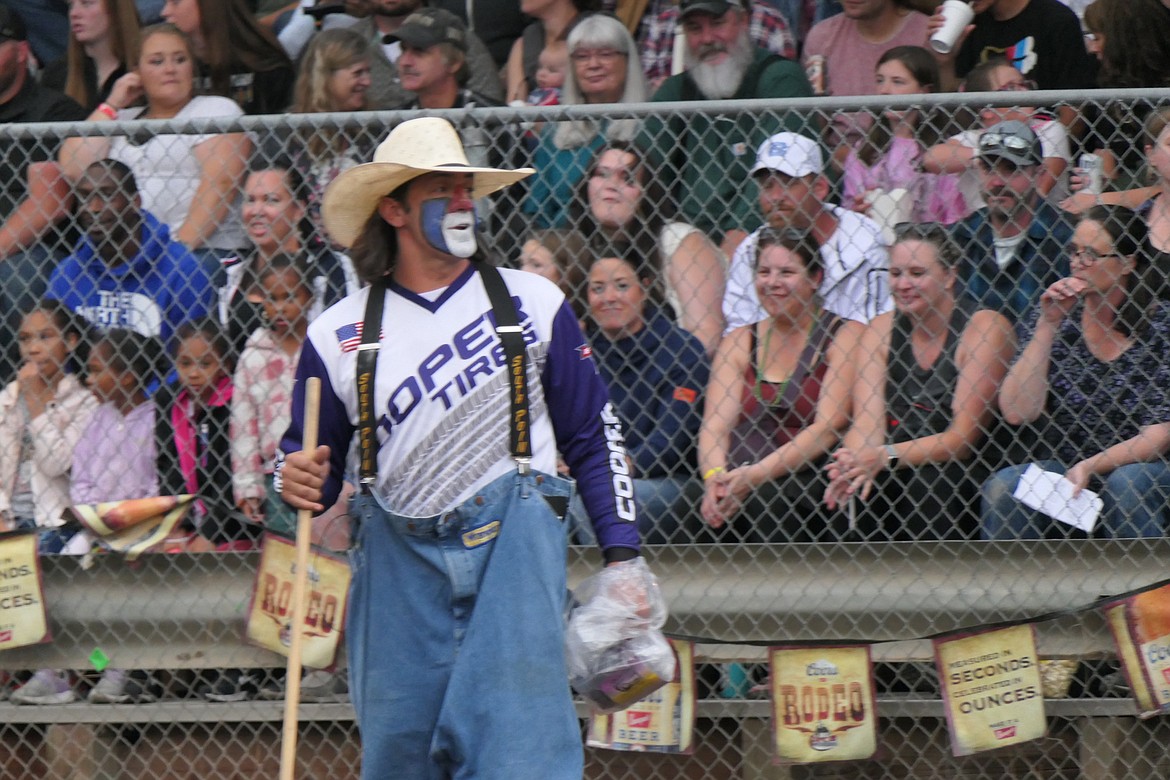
column 711, row 472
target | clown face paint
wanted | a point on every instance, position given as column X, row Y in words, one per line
column 452, row 232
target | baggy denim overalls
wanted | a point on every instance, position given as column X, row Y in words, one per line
column 455, row 635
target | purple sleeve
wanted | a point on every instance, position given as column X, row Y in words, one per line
column 333, row 425
column 83, row 488
column 589, row 434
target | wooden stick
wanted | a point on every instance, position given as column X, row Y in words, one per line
column 292, row 695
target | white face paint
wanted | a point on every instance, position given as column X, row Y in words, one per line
column 459, row 233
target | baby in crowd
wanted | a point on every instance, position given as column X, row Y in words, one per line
column 550, row 75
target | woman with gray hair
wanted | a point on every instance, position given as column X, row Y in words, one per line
column 603, row 68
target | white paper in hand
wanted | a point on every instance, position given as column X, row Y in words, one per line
column 1052, row 494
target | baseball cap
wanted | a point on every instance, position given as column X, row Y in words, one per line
column 790, row 153
column 429, row 27
column 713, row 7
column 1013, row 141
column 11, row 25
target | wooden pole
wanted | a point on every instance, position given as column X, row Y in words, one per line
column 292, row 695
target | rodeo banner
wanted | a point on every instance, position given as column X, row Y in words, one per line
column 269, row 617
column 823, row 704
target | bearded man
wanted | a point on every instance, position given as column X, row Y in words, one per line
column 704, row 159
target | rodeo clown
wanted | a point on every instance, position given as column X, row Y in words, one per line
column 461, row 383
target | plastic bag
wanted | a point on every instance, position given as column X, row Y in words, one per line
column 614, row 645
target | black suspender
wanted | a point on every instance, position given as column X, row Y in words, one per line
column 511, row 336
column 367, row 364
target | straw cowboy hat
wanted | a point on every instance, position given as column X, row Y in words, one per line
column 414, row 148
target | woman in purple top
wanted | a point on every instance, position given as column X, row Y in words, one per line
column 1094, row 371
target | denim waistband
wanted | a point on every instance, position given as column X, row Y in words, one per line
column 554, row 489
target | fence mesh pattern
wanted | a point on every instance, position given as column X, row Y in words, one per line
column 832, row 368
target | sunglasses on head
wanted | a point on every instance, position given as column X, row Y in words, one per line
column 1004, row 141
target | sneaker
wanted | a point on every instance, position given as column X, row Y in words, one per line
column 116, row 686
column 47, row 686
column 322, row 687
column 231, row 685
column 272, row 688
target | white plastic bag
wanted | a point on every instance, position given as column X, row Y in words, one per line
column 614, row 645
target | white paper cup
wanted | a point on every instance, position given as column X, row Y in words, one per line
column 957, row 14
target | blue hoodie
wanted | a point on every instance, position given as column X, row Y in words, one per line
column 159, row 289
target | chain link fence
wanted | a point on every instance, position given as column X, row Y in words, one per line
column 802, row 478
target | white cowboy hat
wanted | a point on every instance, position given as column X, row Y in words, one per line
column 414, row 148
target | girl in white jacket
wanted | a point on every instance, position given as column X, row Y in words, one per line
column 42, row 415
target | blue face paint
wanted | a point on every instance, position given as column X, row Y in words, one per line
column 436, row 222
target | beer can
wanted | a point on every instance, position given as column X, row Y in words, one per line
column 814, row 68
column 1092, row 170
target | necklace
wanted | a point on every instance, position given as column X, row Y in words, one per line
column 758, row 386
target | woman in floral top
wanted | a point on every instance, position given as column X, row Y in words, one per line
column 1094, row 371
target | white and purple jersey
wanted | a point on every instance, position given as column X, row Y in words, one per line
column 441, row 399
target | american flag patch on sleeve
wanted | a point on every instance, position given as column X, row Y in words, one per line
column 349, row 337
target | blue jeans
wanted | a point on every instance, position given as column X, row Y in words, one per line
column 1134, row 497
column 50, row 541
column 456, row 638
column 664, row 504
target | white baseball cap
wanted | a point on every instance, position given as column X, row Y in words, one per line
column 790, row 153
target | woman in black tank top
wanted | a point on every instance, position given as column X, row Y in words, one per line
column 924, row 401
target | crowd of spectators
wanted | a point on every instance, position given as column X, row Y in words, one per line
column 858, row 326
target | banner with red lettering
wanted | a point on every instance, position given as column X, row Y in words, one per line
column 823, row 704
column 663, row 722
column 270, row 615
column 1141, row 628
column 991, row 688
column 22, row 599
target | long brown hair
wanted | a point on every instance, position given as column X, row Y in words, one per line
column 923, row 68
column 232, row 35
column 328, row 52
column 124, row 28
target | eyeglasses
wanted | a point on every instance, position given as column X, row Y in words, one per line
column 1088, row 255
column 1026, row 85
column 604, row 55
